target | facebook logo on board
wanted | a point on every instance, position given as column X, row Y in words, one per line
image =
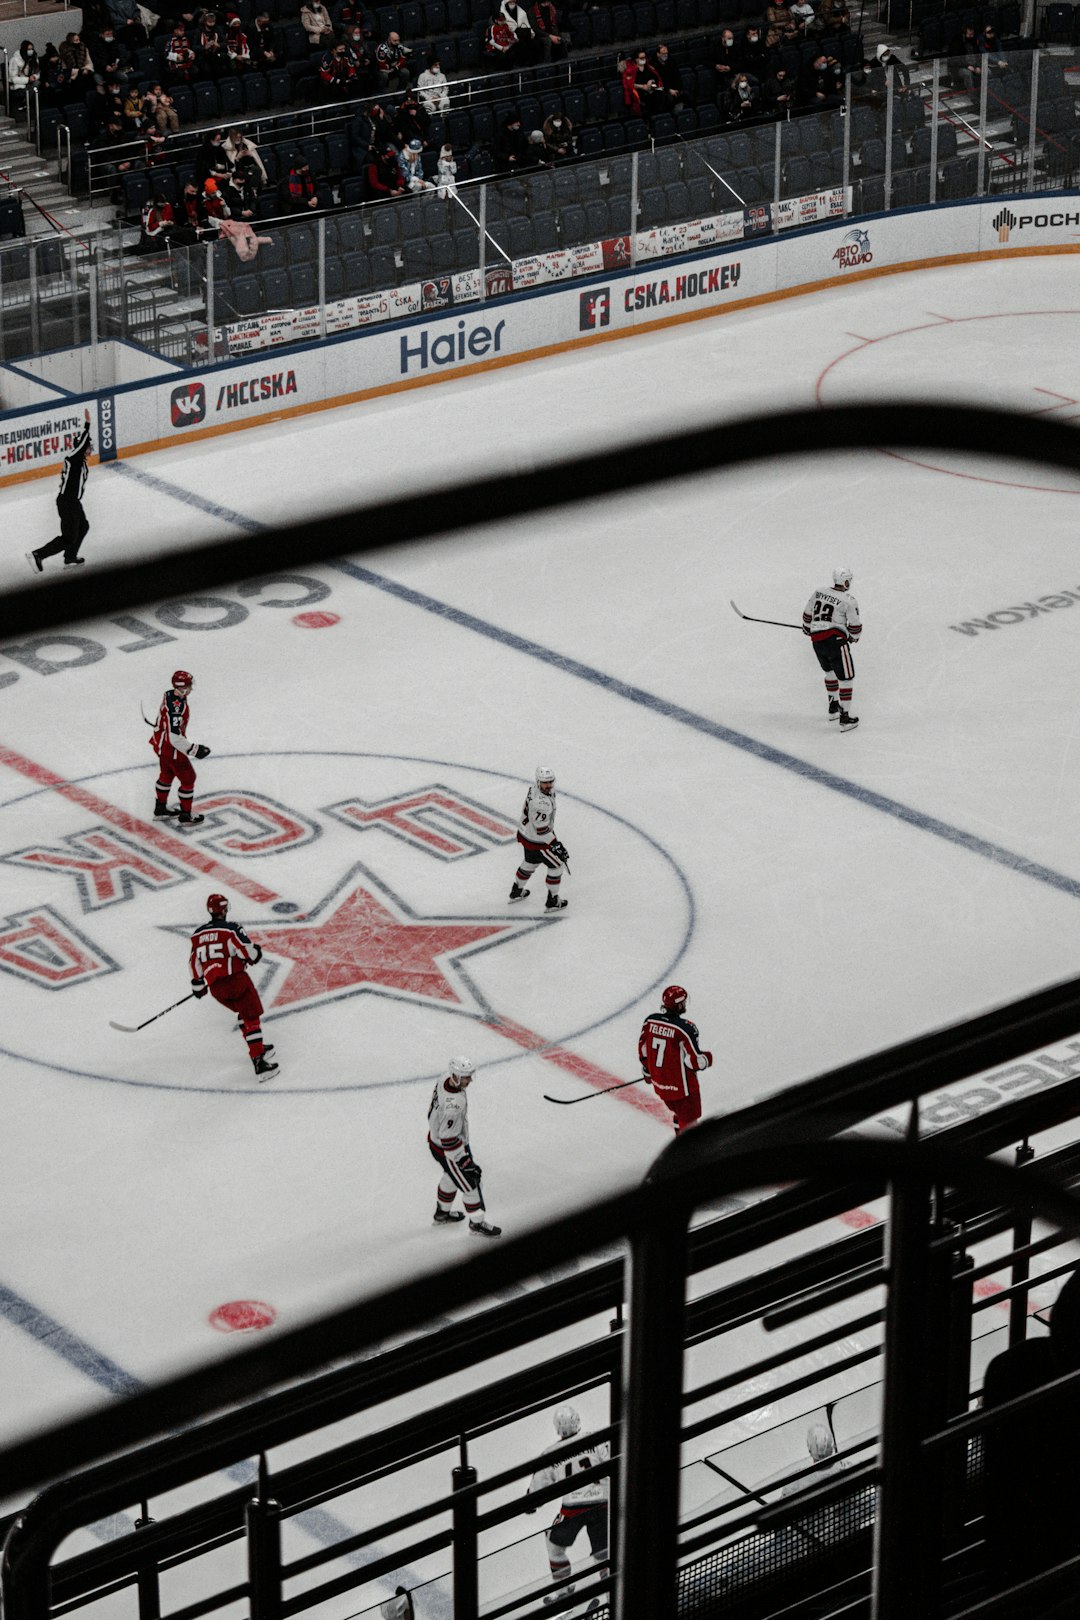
column 595, row 309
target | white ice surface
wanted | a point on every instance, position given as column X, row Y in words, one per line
column 812, row 921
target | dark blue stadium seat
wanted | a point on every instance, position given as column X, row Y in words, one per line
column 357, row 272
column 246, row 296
column 275, row 285
column 573, row 226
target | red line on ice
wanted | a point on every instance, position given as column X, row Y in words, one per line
column 144, row 830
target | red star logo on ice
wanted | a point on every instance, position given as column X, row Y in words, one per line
column 356, row 941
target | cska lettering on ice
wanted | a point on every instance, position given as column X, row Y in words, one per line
column 253, row 390
column 673, row 290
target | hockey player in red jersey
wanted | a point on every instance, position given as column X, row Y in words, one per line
column 221, row 954
column 671, row 1056
column 170, row 743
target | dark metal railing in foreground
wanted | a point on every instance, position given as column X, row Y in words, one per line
column 791, row 1136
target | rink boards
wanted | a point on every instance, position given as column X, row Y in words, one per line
column 273, row 385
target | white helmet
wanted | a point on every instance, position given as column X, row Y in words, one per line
column 544, row 775
column 842, row 577
column 567, row 1422
column 461, row 1066
column 819, row 1442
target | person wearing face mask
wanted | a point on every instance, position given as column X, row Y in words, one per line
column 754, row 53
column 558, row 138
column 671, row 80
column 641, row 86
column 728, row 61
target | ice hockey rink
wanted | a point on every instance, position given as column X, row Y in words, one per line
column 374, row 725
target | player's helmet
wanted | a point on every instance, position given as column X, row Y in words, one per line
column 181, row 678
column 842, row 577
column 819, row 1442
column 217, row 905
column 461, row 1066
column 544, row 775
column 674, row 998
column 567, row 1422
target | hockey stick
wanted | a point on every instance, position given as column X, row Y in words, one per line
column 150, row 723
column 133, row 1029
column 783, row 624
column 568, row 1102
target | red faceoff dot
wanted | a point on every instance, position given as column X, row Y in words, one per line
column 243, row 1316
column 316, row 621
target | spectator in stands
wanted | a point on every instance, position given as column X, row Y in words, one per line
column 125, row 18
column 989, row 46
column 24, row 68
column 671, row 79
column 962, row 50
column 369, row 134
column 834, row 18
column 447, row 172
column 316, row 23
column 76, row 58
column 214, row 204
column 410, row 166
column 238, row 205
column 433, row 88
column 383, row 175
column 208, row 40
column 874, row 75
column 753, row 56
column 559, row 143
column 179, row 57
column 512, row 146
column 301, row 189
column 265, row 43
column 518, row 21
column 728, row 62
column 744, row 98
column 237, row 45
column 159, row 107
column 109, row 54
column 356, row 50
column 347, row 15
column 411, row 122
column 53, row 86
column 240, row 148
column 780, row 26
column 193, row 223
column 552, row 41
column 822, row 82
column 158, row 222
column 211, row 154
column 337, row 73
column 641, row 86
column 154, row 146
column 392, row 63
column 103, row 102
column 112, row 137
column 780, row 92
column 248, row 178
column 803, row 16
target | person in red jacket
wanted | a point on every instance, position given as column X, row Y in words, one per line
column 671, row 1057
column 302, row 190
column 221, row 954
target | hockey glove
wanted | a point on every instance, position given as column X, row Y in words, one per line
column 198, row 988
column 471, row 1172
column 708, row 1059
column 258, row 955
column 561, row 853
column 201, row 751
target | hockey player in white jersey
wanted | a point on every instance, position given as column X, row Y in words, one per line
column 584, row 1506
column 831, row 620
column 448, row 1140
column 539, row 845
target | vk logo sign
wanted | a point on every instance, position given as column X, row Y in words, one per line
column 188, row 405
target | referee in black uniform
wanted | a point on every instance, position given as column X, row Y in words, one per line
column 73, row 520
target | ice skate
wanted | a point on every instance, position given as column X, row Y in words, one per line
column 560, row 1592
column 165, row 810
column 75, row 562
column 518, row 893
column 448, row 1217
column 264, row 1068
column 35, row 561
column 848, row 722
column 555, row 902
column 186, row 819
column 485, row 1229
column 834, row 709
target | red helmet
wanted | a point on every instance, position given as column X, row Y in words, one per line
column 182, row 678
column 217, row 905
column 674, row 998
